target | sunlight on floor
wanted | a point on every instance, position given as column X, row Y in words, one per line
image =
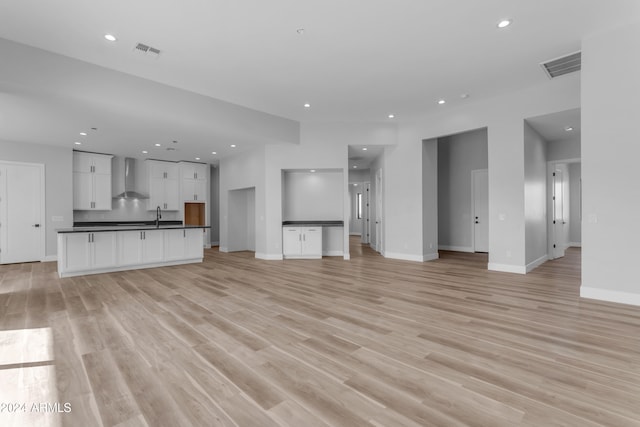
column 28, row 396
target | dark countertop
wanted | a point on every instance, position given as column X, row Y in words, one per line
column 96, row 227
column 312, row 223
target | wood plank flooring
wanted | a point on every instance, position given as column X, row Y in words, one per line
column 237, row 341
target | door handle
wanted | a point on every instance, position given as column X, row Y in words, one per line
column 36, row 225
column 477, row 222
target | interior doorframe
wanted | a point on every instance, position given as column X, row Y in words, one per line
column 379, row 212
column 551, row 166
column 43, row 208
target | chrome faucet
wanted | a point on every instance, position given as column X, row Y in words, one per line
column 158, row 216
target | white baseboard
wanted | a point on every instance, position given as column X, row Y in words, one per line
column 223, row 249
column 355, row 234
column 575, row 244
column 537, row 263
column 507, row 268
column 268, row 257
column 50, row 258
column 405, row 257
column 609, row 295
column 430, row 257
column 215, row 243
column 346, row 257
column 332, row 253
column 455, row 248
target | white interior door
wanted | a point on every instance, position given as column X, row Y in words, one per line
column 21, row 212
column 558, row 217
column 480, row 196
column 379, row 210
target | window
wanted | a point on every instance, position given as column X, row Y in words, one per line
column 359, row 205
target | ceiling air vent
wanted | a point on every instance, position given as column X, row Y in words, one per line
column 143, row 49
column 563, row 65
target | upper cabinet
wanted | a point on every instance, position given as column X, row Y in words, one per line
column 91, row 181
column 164, row 189
column 194, row 181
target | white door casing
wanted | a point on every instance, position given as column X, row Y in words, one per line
column 379, row 216
column 480, row 206
column 366, row 223
column 558, row 242
column 22, row 212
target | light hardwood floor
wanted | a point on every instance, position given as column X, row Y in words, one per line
column 237, row 341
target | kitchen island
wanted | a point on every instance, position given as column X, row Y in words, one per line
column 106, row 247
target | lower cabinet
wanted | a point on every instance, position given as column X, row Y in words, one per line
column 99, row 252
column 302, row 242
column 183, row 244
column 86, row 251
column 140, row 247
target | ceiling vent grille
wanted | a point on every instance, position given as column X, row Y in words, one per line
column 146, row 50
column 564, row 65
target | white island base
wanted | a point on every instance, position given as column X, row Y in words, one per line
column 93, row 252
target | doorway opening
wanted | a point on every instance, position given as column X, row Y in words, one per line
column 553, row 186
column 242, row 220
column 463, row 192
column 366, row 195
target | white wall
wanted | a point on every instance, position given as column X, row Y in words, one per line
column 575, row 220
column 458, row 155
column 565, row 149
column 313, row 196
column 503, row 116
column 535, row 197
column 430, row 184
column 611, row 188
column 58, row 183
column 245, row 170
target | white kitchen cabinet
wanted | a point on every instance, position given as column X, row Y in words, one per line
column 87, row 251
column 302, row 242
column 91, row 181
column 140, row 247
column 183, row 244
column 194, row 181
column 99, row 252
column 164, row 186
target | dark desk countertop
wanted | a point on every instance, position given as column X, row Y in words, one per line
column 312, row 223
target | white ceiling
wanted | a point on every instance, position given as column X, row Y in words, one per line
column 356, row 60
column 553, row 127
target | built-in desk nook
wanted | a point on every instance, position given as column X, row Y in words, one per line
column 312, row 213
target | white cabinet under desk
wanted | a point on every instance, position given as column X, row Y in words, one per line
column 306, row 239
column 302, row 242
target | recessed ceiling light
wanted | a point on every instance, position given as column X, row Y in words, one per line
column 364, row 148
column 213, row 152
column 568, row 128
column 312, row 170
column 157, row 145
column 144, row 151
column 355, row 185
column 441, row 101
column 78, row 143
column 110, row 37
column 391, row 116
column 355, row 167
column 233, row 145
column 307, row 105
column 83, row 133
column 504, row 23
column 300, row 31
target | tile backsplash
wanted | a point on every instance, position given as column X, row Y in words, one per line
column 125, row 210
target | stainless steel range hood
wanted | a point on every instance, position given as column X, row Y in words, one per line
column 130, row 181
